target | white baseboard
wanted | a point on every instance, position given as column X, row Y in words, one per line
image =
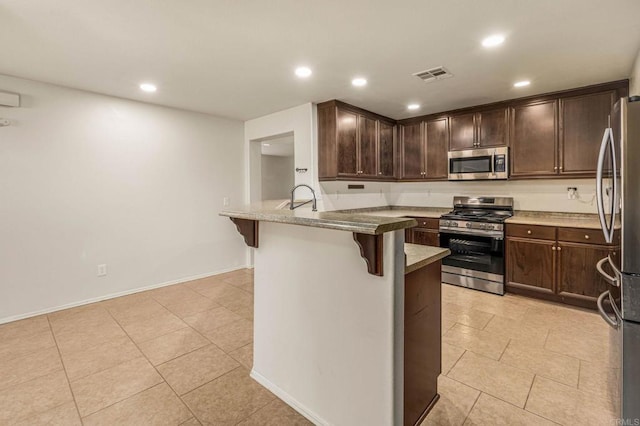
column 292, row 402
column 119, row 294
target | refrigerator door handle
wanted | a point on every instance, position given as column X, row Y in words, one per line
column 611, row 280
column 612, row 322
column 606, row 228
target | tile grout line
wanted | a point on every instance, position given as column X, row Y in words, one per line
column 64, row 368
column 504, row 350
column 472, row 407
column 157, row 372
column 456, row 363
column 524, row 407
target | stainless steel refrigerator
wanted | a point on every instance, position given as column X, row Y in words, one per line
column 618, row 197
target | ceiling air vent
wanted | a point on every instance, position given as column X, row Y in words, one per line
column 433, row 74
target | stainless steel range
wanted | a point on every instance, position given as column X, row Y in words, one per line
column 474, row 232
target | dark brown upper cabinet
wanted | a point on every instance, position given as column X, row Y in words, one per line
column 411, row 151
column 437, row 143
column 534, row 139
column 386, row 149
column 582, row 123
column 553, row 135
column 354, row 144
column 423, row 150
column 483, row 129
column 463, row 132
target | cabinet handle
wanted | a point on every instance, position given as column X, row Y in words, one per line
column 560, row 167
column 529, row 232
column 379, row 173
column 553, row 248
column 559, row 248
column 586, row 237
column 555, row 168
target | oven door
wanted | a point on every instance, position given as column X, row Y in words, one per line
column 474, row 252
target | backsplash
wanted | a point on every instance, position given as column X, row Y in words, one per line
column 535, row 195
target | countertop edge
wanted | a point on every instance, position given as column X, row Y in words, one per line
column 431, row 254
column 369, row 228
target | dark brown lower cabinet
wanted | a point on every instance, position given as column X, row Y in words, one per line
column 558, row 270
column 422, row 342
column 426, row 233
column 531, row 265
column 578, row 279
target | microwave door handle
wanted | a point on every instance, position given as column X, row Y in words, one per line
column 493, row 163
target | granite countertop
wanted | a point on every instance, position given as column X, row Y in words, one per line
column 276, row 211
column 418, row 256
column 567, row 220
column 400, row 211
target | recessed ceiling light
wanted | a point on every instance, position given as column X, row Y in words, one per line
column 148, row 87
column 359, row 82
column 413, row 107
column 522, row 83
column 493, row 40
column 303, row 72
column 266, row 144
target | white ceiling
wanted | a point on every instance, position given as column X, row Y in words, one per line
column 235, row 58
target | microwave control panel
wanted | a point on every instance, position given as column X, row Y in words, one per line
column 500, row 163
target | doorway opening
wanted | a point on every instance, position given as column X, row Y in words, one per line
column 272, row 167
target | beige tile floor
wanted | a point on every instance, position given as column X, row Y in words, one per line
column 181, row 355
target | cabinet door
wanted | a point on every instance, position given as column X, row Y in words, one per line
column 462, row 132
column 385, row 149
column 492, row 128
column 367, row 145
column 412, row 151
column 347, row 143
column 531, row 264
column 582, row 123
column 437, row 145
column 577, row 274
column 408, row 235
column 327, row 162
column 534, row 139
column 425, row 237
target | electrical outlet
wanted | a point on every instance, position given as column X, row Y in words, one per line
column 572, row 193
column 102, row 270
column 225, row 202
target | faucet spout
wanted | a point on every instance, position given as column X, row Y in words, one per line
column 313, row 194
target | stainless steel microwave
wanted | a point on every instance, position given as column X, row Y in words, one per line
column 479, row 164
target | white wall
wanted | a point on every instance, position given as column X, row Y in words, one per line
column 301, row 121
column 328, row 335
column 634, row 83
column 87, row 179
column 277, row 177
column 539, row 195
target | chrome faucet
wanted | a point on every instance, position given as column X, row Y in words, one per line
column 313, row 193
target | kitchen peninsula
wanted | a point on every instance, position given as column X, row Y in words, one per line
column 347, row 317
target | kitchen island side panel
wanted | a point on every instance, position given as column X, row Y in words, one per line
column 328, row 336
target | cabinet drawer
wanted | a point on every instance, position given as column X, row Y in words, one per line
column 580, row 235
column 531, row 231
column 427, row 222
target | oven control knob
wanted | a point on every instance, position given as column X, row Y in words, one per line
column 446, row 223
column 454, row 224
column 469, row 225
